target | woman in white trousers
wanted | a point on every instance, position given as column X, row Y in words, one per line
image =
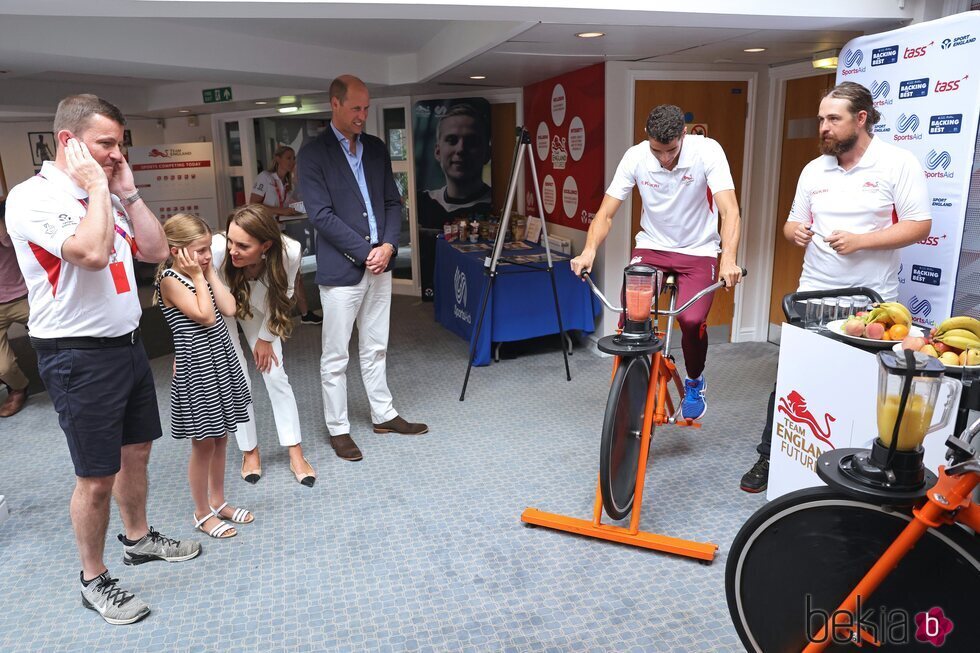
column 259, row 265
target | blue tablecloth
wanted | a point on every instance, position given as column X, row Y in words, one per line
column 522, row 305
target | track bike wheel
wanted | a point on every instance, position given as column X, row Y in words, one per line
column 619, row 451
column 811, row 547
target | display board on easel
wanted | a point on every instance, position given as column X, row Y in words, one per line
column 177, row 178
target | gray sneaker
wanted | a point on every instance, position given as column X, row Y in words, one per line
column 117, row 606
column 154, row 546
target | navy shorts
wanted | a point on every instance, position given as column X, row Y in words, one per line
column 105, row 399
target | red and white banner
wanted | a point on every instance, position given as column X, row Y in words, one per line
column 826, row 398
column 926, row 86
column 177, row 178
column 565, row 117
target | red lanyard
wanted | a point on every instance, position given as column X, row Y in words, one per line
column 280, row 196
column 119, row 230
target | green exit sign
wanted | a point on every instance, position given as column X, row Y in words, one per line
column 212, row 95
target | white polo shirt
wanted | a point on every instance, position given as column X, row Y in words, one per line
column 887, row 185
column 270, row 187
column 67, row 301
column 679, row 213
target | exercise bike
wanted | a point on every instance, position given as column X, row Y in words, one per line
column 640, row 399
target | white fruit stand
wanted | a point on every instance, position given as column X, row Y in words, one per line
column 826, row 393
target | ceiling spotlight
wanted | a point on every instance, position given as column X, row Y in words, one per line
column 478, row 76
column 183, row 110
column 590, row 35
column 261, row 102
column 827, row 59
column 292, row 108
column 754, row 50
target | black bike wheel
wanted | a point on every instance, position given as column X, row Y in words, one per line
column 795, row 560
column 620, row 448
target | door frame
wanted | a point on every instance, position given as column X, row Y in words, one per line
column 752, row 78
column 778, row 77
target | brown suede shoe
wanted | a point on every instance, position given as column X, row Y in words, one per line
column 15, row 401
column 344, row 447
column 399, row 425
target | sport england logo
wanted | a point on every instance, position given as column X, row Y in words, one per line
column 966, row 39
column 935, row 161
column 884, row 56
column 907, row 127
column 852, row 62
column 946, row 123
column 911, row 88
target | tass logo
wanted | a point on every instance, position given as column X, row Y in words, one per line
column 911, row 88
column 930, row 241
column 951, row 85
column 907, row 127
column 920, row 306
column 912, row 53
column 852, row 62
column 938, row 159
column 884, row 56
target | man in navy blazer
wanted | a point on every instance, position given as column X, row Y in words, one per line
column 350, row 195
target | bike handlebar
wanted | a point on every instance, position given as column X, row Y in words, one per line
column 677, row 311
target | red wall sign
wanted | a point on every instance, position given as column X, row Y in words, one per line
column 565, row 117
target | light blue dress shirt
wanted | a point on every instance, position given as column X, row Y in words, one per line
column 355, row 165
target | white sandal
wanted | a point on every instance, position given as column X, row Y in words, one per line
column 219, row 532
column 240, row 516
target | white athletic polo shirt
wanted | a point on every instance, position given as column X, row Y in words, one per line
column 887, row 185
column 270, row 187
column 679, row 213
column 67, row 301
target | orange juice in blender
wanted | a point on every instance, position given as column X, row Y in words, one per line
column 915, row 421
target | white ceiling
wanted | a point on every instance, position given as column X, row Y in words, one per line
column 154, row 57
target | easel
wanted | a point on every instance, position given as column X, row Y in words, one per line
column 491, row 262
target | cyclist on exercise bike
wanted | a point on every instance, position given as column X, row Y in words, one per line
column 855, row 207
column 685, row 185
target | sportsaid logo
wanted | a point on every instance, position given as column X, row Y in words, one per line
column 884, row 626
column 913, row 53
column 459, row 287
column 907, row 126
column 852, row 62
column 880, row 91
column 937, row 164
column 797, row 425
column 948, row 86
column 920, row 306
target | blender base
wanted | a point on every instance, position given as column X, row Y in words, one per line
column 829, row 470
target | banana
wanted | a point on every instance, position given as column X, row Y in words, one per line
column 898, row 313
column 959, row 342
column 960, row 322
column 956, row 333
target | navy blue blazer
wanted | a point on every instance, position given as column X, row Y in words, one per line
column 336, row 208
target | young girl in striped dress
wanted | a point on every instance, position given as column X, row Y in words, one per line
column 209, row 395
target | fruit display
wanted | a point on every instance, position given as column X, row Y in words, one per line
column 885, row 321
column 955, row 341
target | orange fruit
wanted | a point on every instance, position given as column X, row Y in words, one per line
column 898, row 331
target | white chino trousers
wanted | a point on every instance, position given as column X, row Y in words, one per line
column 369, row 305
column 284, row 409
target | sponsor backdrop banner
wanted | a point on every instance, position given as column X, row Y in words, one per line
column 566, row 120
column 826, row 398
column 925, row 83
column 176, row 178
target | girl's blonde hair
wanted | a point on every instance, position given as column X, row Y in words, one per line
column 258, row 224
column 181, row 230
column 287, row 181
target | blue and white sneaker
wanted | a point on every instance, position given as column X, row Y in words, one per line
column 694, row 405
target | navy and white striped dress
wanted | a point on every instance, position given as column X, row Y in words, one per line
column 208, row 395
